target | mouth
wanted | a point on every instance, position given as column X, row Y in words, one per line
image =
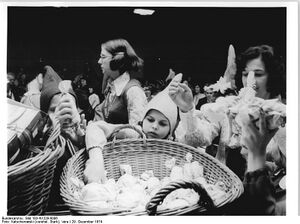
column 152, row 135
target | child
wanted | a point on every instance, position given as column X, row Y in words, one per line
column 159, row 121
column 61, row 108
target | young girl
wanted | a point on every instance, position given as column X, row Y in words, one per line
column 125, row 100
column 159, row 121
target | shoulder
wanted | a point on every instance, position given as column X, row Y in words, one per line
column 133, row 86
column 133, row 82
column 135, row 92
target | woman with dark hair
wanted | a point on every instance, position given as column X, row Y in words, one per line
column 197, row 94
column 268, row 68
column 258, row 144
column 125, row 99
column 269, row 84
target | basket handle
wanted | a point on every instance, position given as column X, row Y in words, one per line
column 125, row 126
column 205, row 201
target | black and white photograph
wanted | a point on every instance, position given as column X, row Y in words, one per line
column 148, row 110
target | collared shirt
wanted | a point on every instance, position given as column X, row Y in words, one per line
column 136, row 98
column 119, row 83
column 116, row 87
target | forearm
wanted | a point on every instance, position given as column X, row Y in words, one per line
column 95, row 135
column 255, row 162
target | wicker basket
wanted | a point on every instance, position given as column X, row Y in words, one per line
column 30, row 180
column 149, row 154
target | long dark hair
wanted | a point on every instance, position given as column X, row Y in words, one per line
column 276, row 84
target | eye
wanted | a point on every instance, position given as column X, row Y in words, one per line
column 259, row 74
column 150, row 119
column 163, row 123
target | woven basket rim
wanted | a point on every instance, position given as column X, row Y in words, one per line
column 81, row 207
column 42, row 158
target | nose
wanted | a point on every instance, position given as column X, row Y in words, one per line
column 155, row 126
column 99, row 61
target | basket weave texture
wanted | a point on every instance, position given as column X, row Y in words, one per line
column 146, row 154
column 30, row 180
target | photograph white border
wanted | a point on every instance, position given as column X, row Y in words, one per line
column 292, row 96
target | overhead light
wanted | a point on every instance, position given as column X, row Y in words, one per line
column 143, row 12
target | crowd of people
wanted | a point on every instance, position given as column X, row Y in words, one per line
column 170, row 108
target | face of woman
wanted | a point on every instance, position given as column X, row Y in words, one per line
column 197, row 89
column 83, row 82
column 261, row 77
column 210, row 96
column 156, row 125
column 104, row 62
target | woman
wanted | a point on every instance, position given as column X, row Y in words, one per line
column 262, row 61
column 198, row 95
column 125, row 100
column 269, row 71
column 269, row 84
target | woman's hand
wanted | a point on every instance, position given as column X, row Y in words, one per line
column 181, row 94
column 255, row 137
column 94, row 167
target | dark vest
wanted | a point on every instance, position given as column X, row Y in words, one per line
column 117, row 112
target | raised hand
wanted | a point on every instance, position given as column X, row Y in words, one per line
column 67, row 110
column 255, row 137
column 181, row 94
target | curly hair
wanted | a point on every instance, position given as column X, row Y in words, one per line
column 276, row 84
